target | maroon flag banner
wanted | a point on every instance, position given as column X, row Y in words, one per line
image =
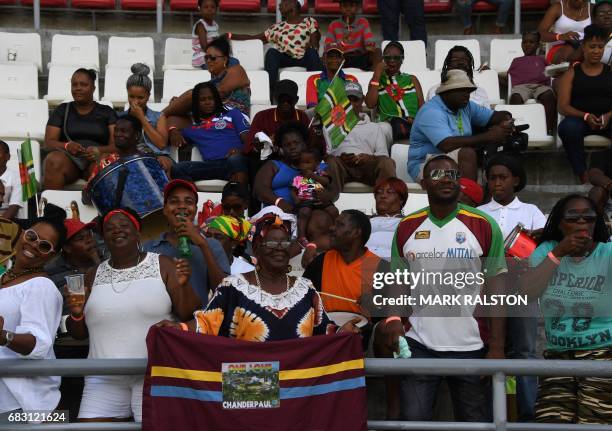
column 200, row 382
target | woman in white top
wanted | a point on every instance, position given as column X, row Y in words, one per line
column 563, row 27
column 30, row 313
column 390, row 196
column 124, row 296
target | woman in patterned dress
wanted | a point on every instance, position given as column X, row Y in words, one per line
column 265, row 304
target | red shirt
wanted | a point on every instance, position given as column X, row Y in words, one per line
column 358, row 35
column 268, row 121
column 528, row 69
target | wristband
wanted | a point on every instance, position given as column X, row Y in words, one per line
column 66, row 146
column 171, row 128
column 77, row 319
column 391, row 319
column 554, row 258
column 586, row 116
column 277, row 201
column 557, row 36
column 375, row 83
column 311, row 245
column 184, row 326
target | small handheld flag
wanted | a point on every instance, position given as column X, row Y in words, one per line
column 336, row 112
column 29, row 186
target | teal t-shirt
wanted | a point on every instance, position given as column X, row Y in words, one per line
column 577, row 304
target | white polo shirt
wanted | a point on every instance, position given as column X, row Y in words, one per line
column 507, row 217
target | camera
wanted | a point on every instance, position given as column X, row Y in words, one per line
column 515, row 143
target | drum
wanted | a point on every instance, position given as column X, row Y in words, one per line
column 518, row 244
column 135, row 182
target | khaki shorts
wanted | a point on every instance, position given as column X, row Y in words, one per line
column 530, row 91
column 453, row 155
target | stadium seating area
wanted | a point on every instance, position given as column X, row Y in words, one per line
column 26, row 114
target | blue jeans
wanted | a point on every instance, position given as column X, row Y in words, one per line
column 221, row 169
column 521, row 335
column 275, row 59
column 572, row 131
column 470, row 394
column 414, row 14
column 464, row 9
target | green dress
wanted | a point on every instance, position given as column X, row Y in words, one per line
column 397, row 97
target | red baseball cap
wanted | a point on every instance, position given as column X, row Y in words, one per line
column 472, row 189
column 180, row 184
column 74, row 226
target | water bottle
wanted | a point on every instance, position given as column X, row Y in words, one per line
column 184, row 245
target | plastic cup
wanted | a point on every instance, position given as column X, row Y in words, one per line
column 76, row 284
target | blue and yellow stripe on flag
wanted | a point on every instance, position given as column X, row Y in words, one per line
column 320, row 383
column 336, row 112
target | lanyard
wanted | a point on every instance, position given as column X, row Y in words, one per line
column 459, row 121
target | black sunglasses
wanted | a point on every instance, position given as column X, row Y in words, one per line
column 575, row 217
column 212, row 57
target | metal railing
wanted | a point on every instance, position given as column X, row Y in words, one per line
column 498, row 369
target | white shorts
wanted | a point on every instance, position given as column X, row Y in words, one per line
column 112, row 397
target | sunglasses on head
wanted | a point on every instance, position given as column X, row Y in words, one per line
column 389, row 58
column 277, row 245
column 438, row 174
column 575, row 217
column 31, row 237
column 212, row 57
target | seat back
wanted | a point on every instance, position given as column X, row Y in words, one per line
column 114, row 86
column 489, row 80
column 21, row 48
column 399, row 153
column 300, row 79
column 125, row 51
column 503, row 51
column 250, row 53
column 80, row 51
column 177, row 54
column 260, row 87
column 415, row 55
column 443, row 46
column 532, row 114
column 428, row 79
column 23, row 117
column 18, row 81
column 176, row 82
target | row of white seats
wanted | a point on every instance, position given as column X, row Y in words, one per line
column 83, row 51
column 360, row 201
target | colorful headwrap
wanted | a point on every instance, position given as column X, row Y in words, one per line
column 133, row 219
column 270, row 221
column 234, row 228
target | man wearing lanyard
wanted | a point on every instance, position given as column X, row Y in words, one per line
column 445, row 125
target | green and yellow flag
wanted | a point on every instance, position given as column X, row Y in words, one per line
column 336, row 112
column 29, row 186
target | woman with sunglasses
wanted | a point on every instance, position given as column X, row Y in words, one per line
column 397, row 96
column 570, row 275
column 266, row 304
column 124, row 296
column 30, row 313
column 232, row 233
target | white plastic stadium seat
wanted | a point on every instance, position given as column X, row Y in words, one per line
column 59, row 85
column 13, row 163
column 177, row 54
column 534, row 115
column 260, row 87
column 206, row 185
column 21, row 48
column 428, row 79
column 596, row 141
column 80, row 51
column 125, row 51
column 415, row 55
column 300, row 79
column 23, row 117
column 18, row 81
column 250, row 53
column 365, row 202
column 503, row 51
column 293, row 69
column 399, row 153
column 489, row 80
column 64, row 199
column 176, row 82
column 443, row 46
column 364, row 79
column 114, row 85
